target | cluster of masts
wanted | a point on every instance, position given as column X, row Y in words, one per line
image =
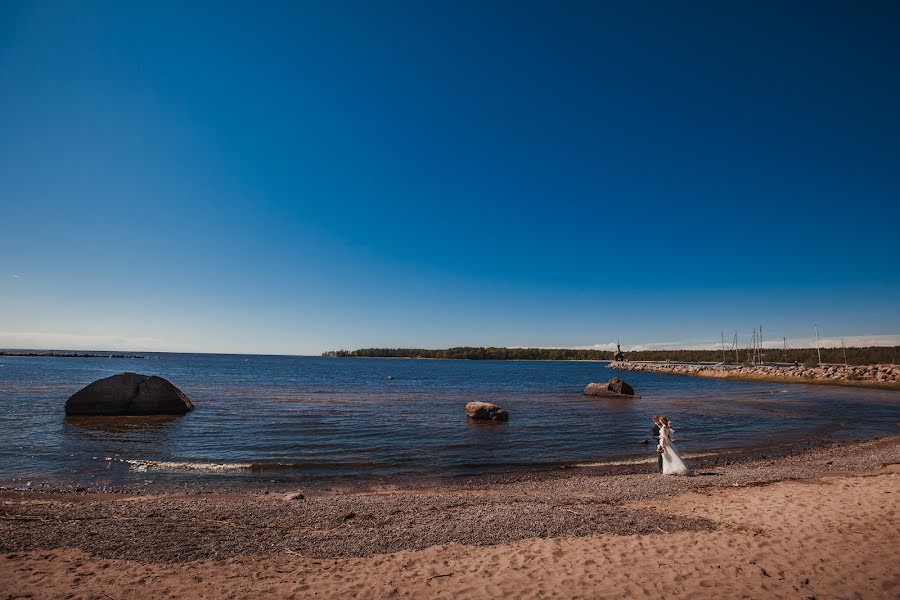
column 754, row 350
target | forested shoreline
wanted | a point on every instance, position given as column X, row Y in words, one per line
column 476, row 353
column 855, row 356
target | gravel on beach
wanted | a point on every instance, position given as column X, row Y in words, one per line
column 482, row 511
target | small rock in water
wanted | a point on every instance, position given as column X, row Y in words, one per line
column 614, row 388
column 620, row 387
column 644, row 442
column 485, row 411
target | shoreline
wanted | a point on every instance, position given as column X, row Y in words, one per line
column 882, row 376
column 641, row 461
column 413, row 514
column 766, row 527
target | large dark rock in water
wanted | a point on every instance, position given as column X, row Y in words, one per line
column 485, row 411
column 620, row 387
column 129, row 394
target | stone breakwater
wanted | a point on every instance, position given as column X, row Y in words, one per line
column 866, row 375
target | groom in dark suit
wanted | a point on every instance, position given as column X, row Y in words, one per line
column 655, row 434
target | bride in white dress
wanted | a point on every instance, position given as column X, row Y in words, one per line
column 672, row 463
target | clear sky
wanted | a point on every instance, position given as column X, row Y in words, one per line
column 293, row 177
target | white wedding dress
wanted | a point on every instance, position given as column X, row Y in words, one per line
column 672, row 463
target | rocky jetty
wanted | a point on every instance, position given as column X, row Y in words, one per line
column 614, row 388
column 485, row 411
column 870, row 375
column 129, row 394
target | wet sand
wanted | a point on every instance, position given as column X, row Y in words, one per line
column 765, row 527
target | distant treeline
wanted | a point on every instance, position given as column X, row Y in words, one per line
column 478, row 353
column 855, row 356
column 67, row 354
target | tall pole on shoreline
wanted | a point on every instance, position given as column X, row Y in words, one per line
column 722, row 332
column 750, row 355
column 819, row 350
column 845, row 351
column 736, row 359
column 753, row 347
column 758, row 349
column 750, row 348
column 760, row 346
column 785, row 348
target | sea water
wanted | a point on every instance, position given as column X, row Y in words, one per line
column 312, row 419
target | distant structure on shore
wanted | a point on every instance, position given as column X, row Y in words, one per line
column 619, row 356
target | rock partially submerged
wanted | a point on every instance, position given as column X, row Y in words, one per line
column 620, row 387
column 485, row 411
column 614, row 388
column 129, row 394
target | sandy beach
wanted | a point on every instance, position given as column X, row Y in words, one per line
column 815, row 522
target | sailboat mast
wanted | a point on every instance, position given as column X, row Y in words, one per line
column 755, row 349
column 736, row 358
column 760, row 346
column 722, row 332
column 818, row 349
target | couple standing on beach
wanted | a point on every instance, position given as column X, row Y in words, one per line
column 669, row 460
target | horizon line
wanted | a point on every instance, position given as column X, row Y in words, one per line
column 696, row 348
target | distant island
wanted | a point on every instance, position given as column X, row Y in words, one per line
column 68, row 354
column 855, row 356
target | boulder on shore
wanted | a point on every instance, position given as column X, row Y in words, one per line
column 485, row 411
column 129, row 394
column 614, row 388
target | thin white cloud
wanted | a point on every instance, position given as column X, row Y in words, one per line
column 32, row 340
column 16, row 276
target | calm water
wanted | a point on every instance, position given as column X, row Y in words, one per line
column 309, row 420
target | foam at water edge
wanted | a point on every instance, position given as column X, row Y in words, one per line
column 159, row 465
column 641, row 461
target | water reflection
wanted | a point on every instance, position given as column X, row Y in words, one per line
column 148, row 424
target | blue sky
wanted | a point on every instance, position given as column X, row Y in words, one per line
column 298, row 177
